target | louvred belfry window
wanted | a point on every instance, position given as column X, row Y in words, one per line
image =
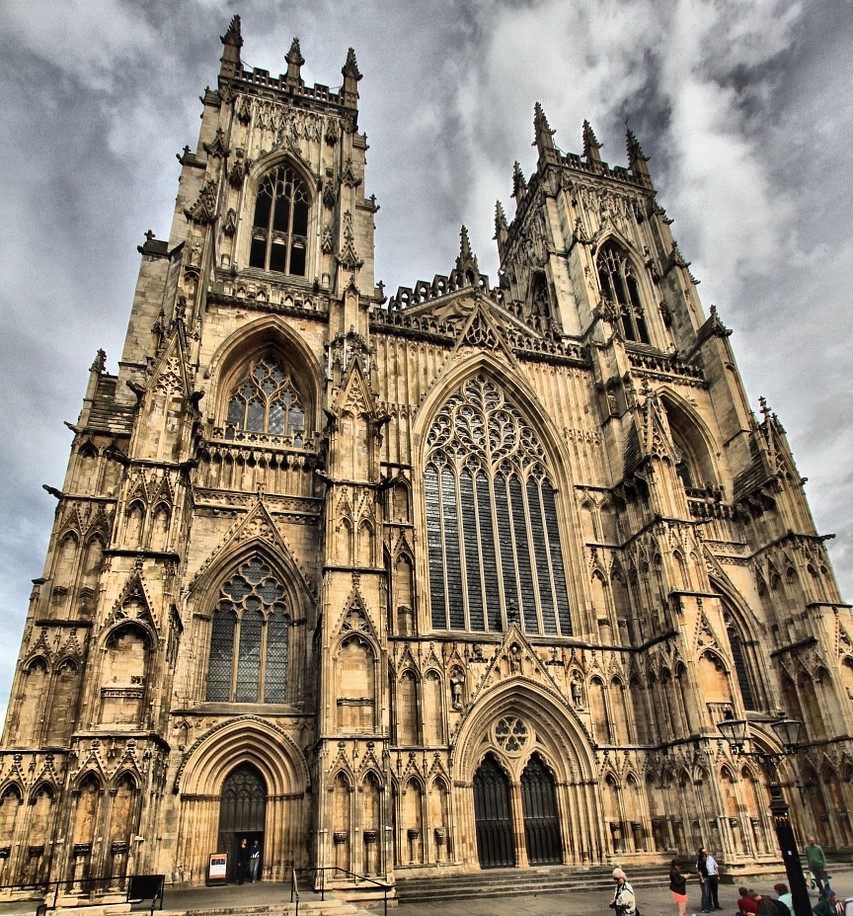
column 280, row 227
column 265, row 399
column 492, row 531
column 249, row 639
column 619, row 287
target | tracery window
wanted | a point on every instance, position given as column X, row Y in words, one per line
column 265, row 399
column 619, row 287
column 249, row 638
column 280, row 227
column 741, row 669
column 492, row 531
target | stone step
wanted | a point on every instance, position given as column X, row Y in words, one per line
column 502, row 882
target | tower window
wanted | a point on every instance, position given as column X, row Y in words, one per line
column 619, row 287
column 492, row 533
column 265, row 399
column 249, row 638
column 280, row 227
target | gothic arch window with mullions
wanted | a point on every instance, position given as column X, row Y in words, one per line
column 265, row 398
column 619, row 287
column 492, row 526
column 249, row 638
column 280, row 226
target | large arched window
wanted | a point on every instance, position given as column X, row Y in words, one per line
column 265, row 399
column 619, row 287
column 280, row 227
column 249, row 638
column 492, row 532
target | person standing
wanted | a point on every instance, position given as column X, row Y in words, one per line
column 624, row 901
column 702, row 872
column 678, row 886
column 713, row 881
column 817, row 863
column 254, row 860
column 242, row 861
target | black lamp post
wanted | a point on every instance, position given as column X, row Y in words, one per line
column 736, row 732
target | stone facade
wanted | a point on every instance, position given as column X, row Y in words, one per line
column 459, row 578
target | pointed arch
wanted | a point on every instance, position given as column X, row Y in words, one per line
column 268, row 336
column 496, row 541
column 698, row 467
column 620, row 282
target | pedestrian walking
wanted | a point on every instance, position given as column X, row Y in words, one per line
column 678, row 886
column 254, row 860
column 624, row 902
column 817, row 863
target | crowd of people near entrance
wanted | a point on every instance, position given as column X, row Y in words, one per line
column 707, row 872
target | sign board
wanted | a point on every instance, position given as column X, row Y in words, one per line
column 217, row 868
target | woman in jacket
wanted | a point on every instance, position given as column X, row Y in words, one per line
column 678, row 886
column 623, row 901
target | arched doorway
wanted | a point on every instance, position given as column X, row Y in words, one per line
column 242, row 812
column 541, row 820
column 495, row 845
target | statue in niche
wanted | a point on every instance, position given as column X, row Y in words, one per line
column 577, row 693
column 456, row 684
column 515, row 658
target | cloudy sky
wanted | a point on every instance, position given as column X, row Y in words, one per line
column 745, row 108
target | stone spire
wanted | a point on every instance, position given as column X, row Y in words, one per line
column 544, row 135
column 295, row 60
column 501, row 228
column 233, row 41
column 519, row 182
column 591, row 146
column 637, row 159
column 351, row 74
column 466, row 263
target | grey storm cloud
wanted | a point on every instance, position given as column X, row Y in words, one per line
column 745, row 109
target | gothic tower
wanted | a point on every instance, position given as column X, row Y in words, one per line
column 459, row 579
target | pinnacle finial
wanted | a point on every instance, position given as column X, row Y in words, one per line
column 500, row 216
column 295, row 60
column 544, row 136
column 294, row 55
column 519, row 182
column 591, row 146
column 233, row 41
column 232, row 35
column 466, row 263
column 350, row 68
column 637, row 159
column 351, row 74
column 464, row 243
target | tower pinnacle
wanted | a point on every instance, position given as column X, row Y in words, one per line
column 591, row 146
column 233, row 41
column 351, row 75
column 544, row 136
column 295, row 60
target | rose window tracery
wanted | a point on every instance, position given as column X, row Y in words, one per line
column 511, row 734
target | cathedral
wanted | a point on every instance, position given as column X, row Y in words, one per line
column 459, row 578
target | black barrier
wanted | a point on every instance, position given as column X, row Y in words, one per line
column 146, row 887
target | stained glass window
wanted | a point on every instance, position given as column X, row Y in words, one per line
column 249, row 638
column 280, row 228
column 265, row 399
column 619, row 287
column 492, row 533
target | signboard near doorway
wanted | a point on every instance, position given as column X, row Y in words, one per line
column 217, row 869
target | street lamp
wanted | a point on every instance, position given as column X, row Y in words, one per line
column 736, row 732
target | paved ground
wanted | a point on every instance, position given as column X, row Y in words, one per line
column 653, row 901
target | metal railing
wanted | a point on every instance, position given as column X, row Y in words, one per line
column 134, row 888
column 319, row 882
